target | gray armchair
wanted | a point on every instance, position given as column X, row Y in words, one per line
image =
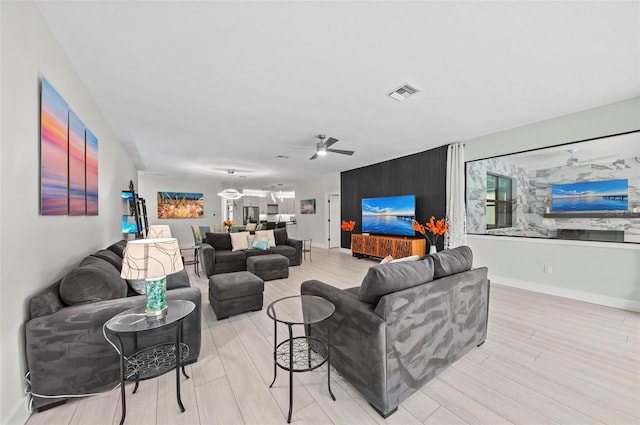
column 405, row 324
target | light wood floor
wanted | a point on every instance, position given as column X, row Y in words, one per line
column 547, row 360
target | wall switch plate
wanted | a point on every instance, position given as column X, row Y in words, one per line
column 548, row 269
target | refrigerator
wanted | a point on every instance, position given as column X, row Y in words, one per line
column 250, row 215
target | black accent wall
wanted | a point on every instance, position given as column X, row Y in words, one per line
column 422, row 174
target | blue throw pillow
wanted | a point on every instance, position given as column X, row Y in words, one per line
column 262, row 244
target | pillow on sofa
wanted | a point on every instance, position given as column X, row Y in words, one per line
column 410, row 258
column 269, row 233
column 93, row 280
column 111, row 257
column 219, row 241
column 384, row 279
column 280, row 236
column 118, row 247
column 451, row 261
column 260, row 243
column 239, row 241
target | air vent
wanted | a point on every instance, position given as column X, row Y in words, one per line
column 403, row 92
column 282, row 157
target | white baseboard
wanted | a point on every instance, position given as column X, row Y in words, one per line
column 19, row 415
column 621, row 303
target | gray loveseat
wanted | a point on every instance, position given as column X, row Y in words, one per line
column 406, row 323
column 218, row 255
column 65, row 346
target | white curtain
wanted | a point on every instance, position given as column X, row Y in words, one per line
column 456, row 213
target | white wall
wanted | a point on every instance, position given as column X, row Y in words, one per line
column 597, row 272
column 36, row 250
column 149, row 186
column 314, row 226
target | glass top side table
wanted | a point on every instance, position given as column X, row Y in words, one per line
column 303, row 353
column 155, row 360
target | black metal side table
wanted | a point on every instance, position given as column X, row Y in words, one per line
column 301, row 353
column 155, row 360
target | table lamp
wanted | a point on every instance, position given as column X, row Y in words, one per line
column 158, row 231
column 152, row 260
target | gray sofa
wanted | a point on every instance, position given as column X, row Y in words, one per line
column 66, row 350
column 218, row 256
column 406, row 323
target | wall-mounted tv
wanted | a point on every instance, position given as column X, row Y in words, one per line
column 389, row 216
column 608, row 195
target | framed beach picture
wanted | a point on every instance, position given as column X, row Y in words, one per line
column 180, row 205
column 308, row 206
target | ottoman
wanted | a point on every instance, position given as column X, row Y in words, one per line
column 235, row 293
column 269, row 267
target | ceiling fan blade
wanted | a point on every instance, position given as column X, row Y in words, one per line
column 340, row 151
column 315, row 155
column 330, row 141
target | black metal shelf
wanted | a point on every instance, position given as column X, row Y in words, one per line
column 154, row 361
column 308, row 353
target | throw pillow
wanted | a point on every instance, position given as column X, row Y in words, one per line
column 269, row 234
column 386, row 259
column 451, row 261
column 239, row 241
column 280, row 236
column 410, row 258
column 111, row 257
column 93, row 280
column 262, row 244
column 219, row 241
column 384, row 279
column 252, row 227
column 250, row 239
column 118, row 247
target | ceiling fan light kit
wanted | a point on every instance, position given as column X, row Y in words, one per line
column 322, row 147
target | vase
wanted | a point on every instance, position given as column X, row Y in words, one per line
column 433, row 249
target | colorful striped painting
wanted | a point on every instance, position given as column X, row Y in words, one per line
column 92, row 172
column 77, row 183
column 54, row 152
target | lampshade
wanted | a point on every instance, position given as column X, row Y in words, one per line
column 152, row 260
column 159, row 231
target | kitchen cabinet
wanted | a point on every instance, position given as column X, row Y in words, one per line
column 251, row 201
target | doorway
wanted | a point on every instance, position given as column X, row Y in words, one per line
column 333, row 220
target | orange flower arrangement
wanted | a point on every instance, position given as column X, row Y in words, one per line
column 438, row 228
column 348, row 226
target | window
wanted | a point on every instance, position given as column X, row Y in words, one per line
column 500, row 203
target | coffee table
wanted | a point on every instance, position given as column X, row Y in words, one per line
column 155, row 360
column 301, row 353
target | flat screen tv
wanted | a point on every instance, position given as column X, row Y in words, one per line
column 608, row 195
column 389, row 216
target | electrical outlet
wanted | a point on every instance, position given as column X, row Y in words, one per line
column 548, row 269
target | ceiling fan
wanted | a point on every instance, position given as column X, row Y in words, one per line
column 572, row 161
column 322, row 147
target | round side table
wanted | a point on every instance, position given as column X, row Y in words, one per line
column 155, row 360
column 301, row 353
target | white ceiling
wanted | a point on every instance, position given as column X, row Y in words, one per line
column 195, row 88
